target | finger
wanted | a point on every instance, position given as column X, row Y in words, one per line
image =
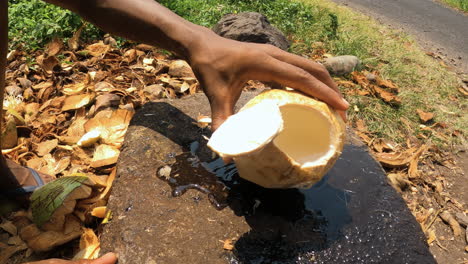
column 343, row 115
column 314, row 68
column 221, row 108
column 109, row 258
column 297, row 78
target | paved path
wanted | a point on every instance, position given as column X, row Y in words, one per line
column 437, row 28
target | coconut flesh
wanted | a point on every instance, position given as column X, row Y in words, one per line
column 281, row 139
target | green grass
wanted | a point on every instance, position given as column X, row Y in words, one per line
column 459, row 4
column 34, row 23
column 309, row 24
column 424, row 83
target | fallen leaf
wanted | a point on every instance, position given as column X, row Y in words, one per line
column 387, row 84
column 99, row 212
column 9, row 227
column 73, row 88
column 386, row 96
column 180, row 68
column 424, row 116
column 104, row 155
column 54, row 47
column 9, row 137
column 89, row 245
column 74, row 41
column 46, row 147
column 413, row 165
column 227, row 244
column 97, row 49
column 396, row 159
column 77, row 101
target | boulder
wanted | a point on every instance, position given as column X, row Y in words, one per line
column 250, row 27
column 341, row 65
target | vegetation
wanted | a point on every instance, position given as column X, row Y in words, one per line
column 459, row 4
column 35, row 23
column 312, row 26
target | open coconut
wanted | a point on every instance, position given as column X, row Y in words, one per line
column 281, row 139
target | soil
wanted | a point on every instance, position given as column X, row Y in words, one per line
column 190, row 215
column 452, row 249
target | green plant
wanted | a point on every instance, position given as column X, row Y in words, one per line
column 34, row 23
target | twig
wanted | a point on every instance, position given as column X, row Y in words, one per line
column 433, row 220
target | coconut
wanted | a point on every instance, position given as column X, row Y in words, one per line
column 281, row 139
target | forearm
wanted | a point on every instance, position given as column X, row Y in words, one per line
column 140, row 20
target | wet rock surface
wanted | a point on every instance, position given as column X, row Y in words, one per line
column 173, row 202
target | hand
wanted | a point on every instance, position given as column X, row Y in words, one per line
column 109, row 258
column 223, row 66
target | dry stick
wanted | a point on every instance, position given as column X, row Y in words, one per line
column 433, row 219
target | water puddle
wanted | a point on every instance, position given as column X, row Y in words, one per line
column 321, row 208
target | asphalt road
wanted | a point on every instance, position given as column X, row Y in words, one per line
column 437, row 28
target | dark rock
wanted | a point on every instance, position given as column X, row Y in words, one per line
column 352, row 216
column 250, row 27
column 341, row 65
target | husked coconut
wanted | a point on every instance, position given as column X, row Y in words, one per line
column 281, row 139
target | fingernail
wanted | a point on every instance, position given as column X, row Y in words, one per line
column 345, row 102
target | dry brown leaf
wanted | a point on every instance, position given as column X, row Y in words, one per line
column 97, row 49
column 47, row 63
column 424, row 116
column 77, row 101
column 112, row 128
column 104, row 155
column 381, row 145
column 386, row 96
column 42, row 85
column 46, row 147
column 6, row 253
column 45, row 241
column 398, row 181
column 227, row 244
column 54, row 47
column 413, row 166
column 73, row 88
column 180, row 68
column 431, row 236
column 360, row 79
column 103, row 87
column 387, row 84
column 99, row 212
column 89, row 245
column 9, row 227
column 74, row 42
column 396, row 159
column 9, row 136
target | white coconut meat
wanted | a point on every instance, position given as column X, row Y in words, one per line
column 281, row 139
column 248, row 130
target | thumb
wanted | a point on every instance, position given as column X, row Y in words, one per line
column 109, row 258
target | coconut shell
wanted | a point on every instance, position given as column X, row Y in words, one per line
column 270, row 167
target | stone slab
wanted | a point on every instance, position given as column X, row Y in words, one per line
column 163, row 215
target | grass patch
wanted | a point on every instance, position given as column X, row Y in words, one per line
column 424, row 83
column 459, row 4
